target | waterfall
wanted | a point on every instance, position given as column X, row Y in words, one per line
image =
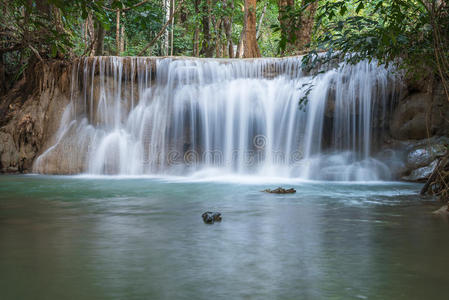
column 180, row 116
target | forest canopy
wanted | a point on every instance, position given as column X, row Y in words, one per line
column 411, row 34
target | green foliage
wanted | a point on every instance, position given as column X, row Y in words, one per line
column 391, row 31
column 411, row 34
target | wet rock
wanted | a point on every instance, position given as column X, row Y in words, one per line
column 280, row 190
column 443, row 211
column 421, row 157
column 211, row 217
column 421, row 174
column 424, row 154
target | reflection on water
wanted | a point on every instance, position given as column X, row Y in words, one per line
column 145, row 239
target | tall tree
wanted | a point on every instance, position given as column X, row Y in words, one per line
column 250, row 46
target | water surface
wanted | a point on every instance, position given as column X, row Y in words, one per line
column 143, row 238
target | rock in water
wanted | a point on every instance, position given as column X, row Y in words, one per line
column 280, row 190
column 211, row 217
column 443, row 211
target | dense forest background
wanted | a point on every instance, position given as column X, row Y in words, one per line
column 412, row 34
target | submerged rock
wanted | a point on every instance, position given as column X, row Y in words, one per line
column 280, row 190
column 210, row 217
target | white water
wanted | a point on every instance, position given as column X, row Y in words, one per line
column 205, row 117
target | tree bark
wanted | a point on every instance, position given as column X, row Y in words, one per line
column 297, row 30
column 167, row 4
column 207, row 48
column 172, row 11
column 250, row 46
column 239, row 51
column 217, row 29
column 122, row 36
column 117, row 33
column 99, row 38
column 287, row 23
column 227, row 24
column 305, row 32
column 196, row 34
column 90, row 35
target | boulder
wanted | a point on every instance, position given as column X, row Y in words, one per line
column 421, row 157
column 425, row 153
column 280, row 190
column 421, row 174
column 211, row 217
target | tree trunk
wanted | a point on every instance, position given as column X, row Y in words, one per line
column 99, row 38
column 117, row 33
column 239, row 51
column 217, row 29
column 122, row 36
column 91, row 35
column 172, row 10
column 207, row 48
column 305, row 32
column 196, row 34
column 250, row 46
column 227, row 24
column 167, row 6
column 287, row 22
column 196, row 43
column 224, row 48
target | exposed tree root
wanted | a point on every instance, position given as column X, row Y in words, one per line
column 438, row 182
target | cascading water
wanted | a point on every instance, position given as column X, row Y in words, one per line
column 135, row 116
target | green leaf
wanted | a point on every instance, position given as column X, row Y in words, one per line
column 359, row 7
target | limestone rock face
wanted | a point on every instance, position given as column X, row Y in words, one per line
column 31, row 112
column 420, row 116
column 9, row 156
column 409, row 118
